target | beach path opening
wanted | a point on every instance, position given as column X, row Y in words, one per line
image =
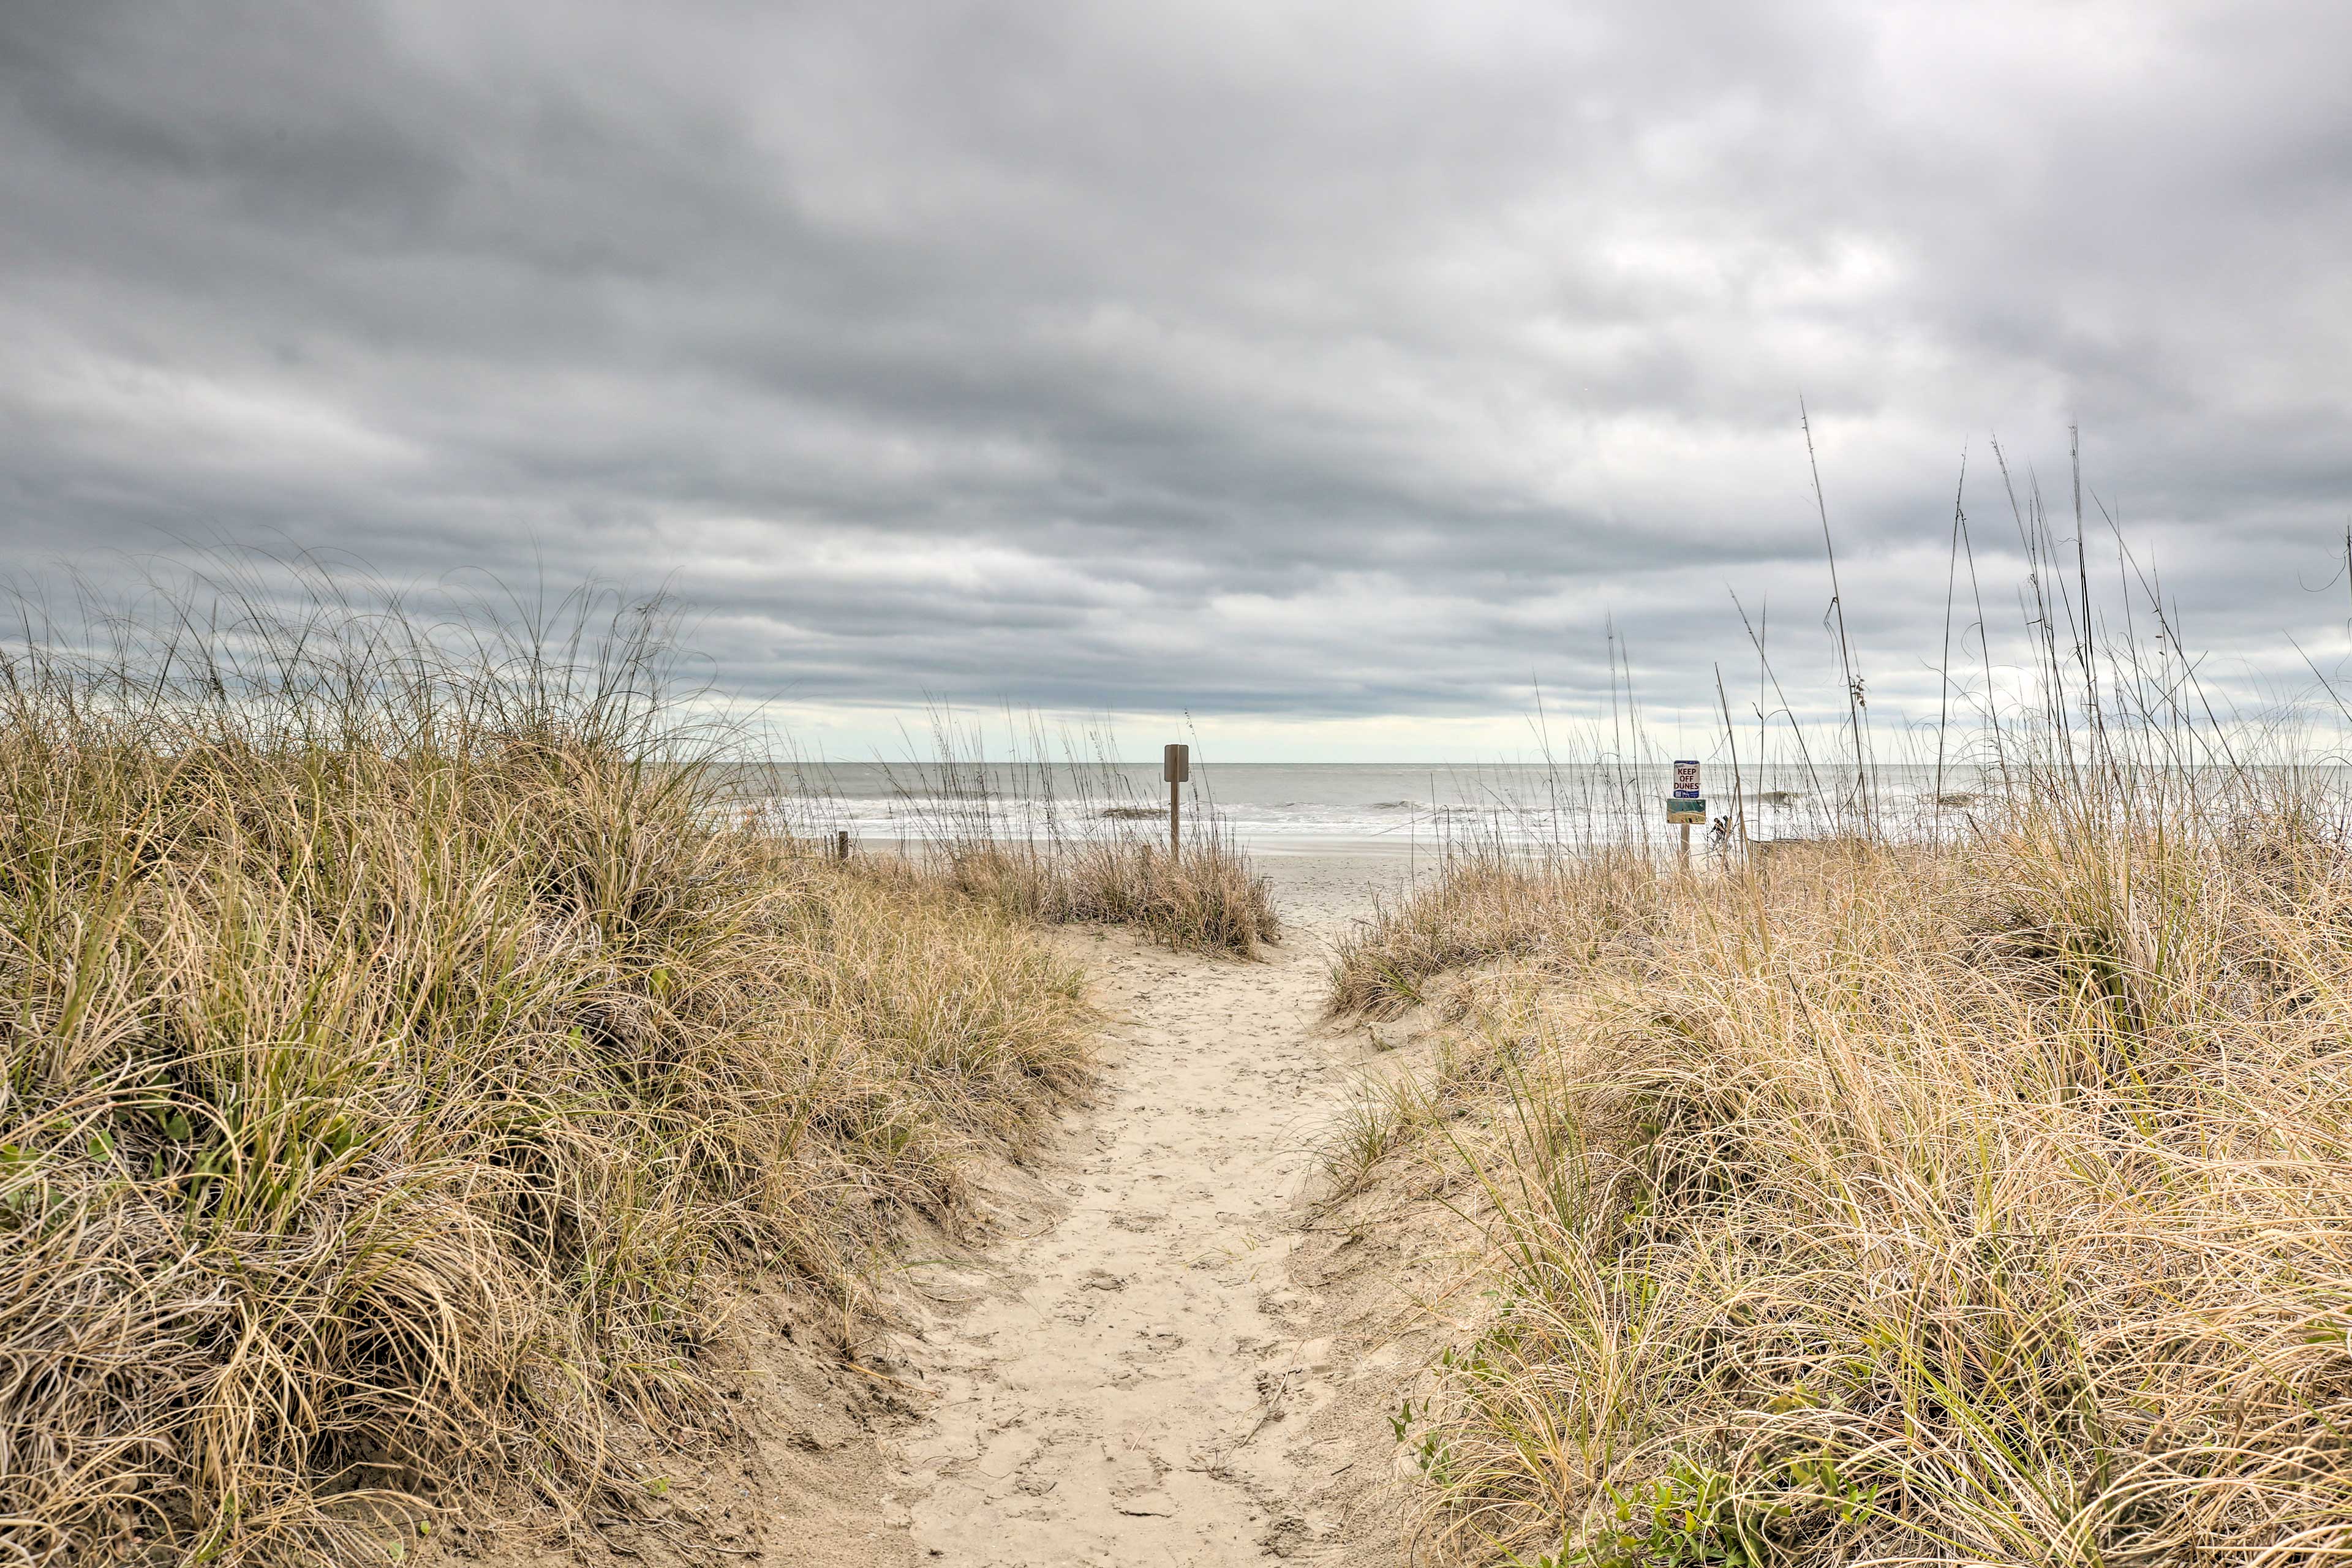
column 1135, row 1378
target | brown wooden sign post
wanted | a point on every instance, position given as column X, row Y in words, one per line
column 1176, row 767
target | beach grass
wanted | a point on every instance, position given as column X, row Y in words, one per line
column 1208, row 897
column 405, row 1030
column 1029, row 833
column 1983, row 1201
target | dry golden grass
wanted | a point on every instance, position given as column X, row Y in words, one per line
column 398, row 1042
column 1988, row 1205
column 1033, row 835
column 1487, row 906
column 1207, row 897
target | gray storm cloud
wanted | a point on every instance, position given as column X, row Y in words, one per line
column 1290, row 361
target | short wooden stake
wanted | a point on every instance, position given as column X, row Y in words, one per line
column 841, row 844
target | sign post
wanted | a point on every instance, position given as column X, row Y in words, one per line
column 1176, row 767
column 1686, row 805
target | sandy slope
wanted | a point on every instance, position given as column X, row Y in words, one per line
column 1139, row 1379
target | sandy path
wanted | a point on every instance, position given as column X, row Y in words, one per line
column 1131, row 1384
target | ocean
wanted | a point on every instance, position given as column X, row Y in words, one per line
column 1274, row 807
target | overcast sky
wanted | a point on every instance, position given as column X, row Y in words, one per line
column 1330, row 372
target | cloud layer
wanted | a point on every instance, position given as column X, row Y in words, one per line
column 1341, row 363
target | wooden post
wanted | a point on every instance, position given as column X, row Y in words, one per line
column 841, row 845
column 1686, row 843
column 1176, row 767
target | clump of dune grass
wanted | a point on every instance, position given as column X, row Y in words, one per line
column 1902, row 1204
column 1489, row 905
column 403, row 1032
column 1031, row 837
column 1207, row 897
column 1969, row 1185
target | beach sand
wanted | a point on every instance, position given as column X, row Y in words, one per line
column 1137, row 1374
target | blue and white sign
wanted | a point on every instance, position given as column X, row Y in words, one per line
column 1686, row 780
